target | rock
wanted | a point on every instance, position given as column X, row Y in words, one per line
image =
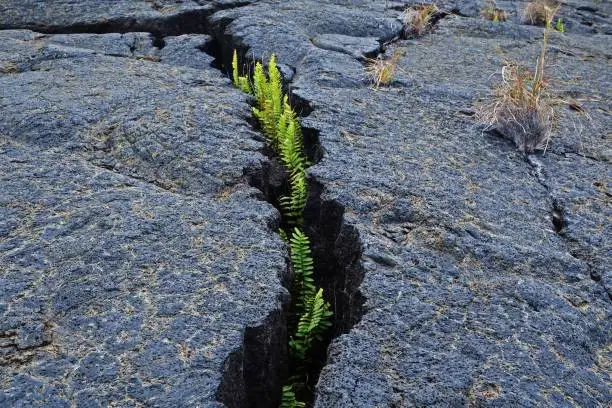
column 295, row 24
column 187, row 51
column 135, row 263
column 472, row 296
column 139, row 267
column 166, row 17
column 356, row 47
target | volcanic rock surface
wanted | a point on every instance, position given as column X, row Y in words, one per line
column 138, row 268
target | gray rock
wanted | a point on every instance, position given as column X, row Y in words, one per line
column 136, row 265
column 578, row 16
column 187, row 51
column 140, row 269
column 472, row 295
column 356, row 47
column 296, row 23
column 168, row 17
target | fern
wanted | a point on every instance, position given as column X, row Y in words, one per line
column 260, row 84
column 301, row 260
column 235, row 74
column 269, row 94
column 268, row 122
column 294, row 204
column 276, row 87
column 241, row 82
column 289, row 400
column 314, row 321
column 283, row 235
column 314, row 313
column 244, row 84
column 289, row 138
column 281, row 127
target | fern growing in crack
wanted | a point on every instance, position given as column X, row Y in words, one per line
column 288, row 399
column 303, row 269
column 279, row 123
column 289, row 139
column 291, row 151
column 268, row 91
column 293, row 205
column 314, row 322
column 241, row 82
column 313, row 311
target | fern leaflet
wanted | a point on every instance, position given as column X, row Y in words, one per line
column 314, row 321
column 241, row 82
column 293, row 205
column 303, row 269
column 289, row 400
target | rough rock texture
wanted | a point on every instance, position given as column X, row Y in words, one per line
column 486, row 273
column 157, row 16
column 133, row 257
column 135, row 264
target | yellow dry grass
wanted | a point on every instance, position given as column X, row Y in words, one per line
column 382, row 72
column 417, row 19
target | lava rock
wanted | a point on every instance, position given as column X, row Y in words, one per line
column 138, row 268
column 135, row 261
column 473, row 296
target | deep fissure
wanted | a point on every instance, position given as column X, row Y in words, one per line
column 335, row 245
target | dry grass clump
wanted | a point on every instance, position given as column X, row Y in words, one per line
column 521, row 110
column 418, row 19
column 492, row 13
column 541, row 12
column 382, row 72
column 522, row 106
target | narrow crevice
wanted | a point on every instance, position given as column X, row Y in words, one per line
column 195, row 21
column 335, row 244
column 188, row 22
column 559, row 220
column 254, row 374
column 558, row 216
column 336, row 250
column 213, row 48
column 158, row 42
column 301, row 106
column 337, row 253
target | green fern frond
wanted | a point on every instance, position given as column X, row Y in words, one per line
column 291, row 116
column 241, row 82
column 289, row 400
column 269, row 95
column 267, row 121
column 290, row 149
column 276, row 86
column 281, row 129
column 260, row 84
column 283, row 235
column 235, row 74
column 290, row 140
column 313, row 323
column 303, row 269
column 244, row 84
column 293, row 205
